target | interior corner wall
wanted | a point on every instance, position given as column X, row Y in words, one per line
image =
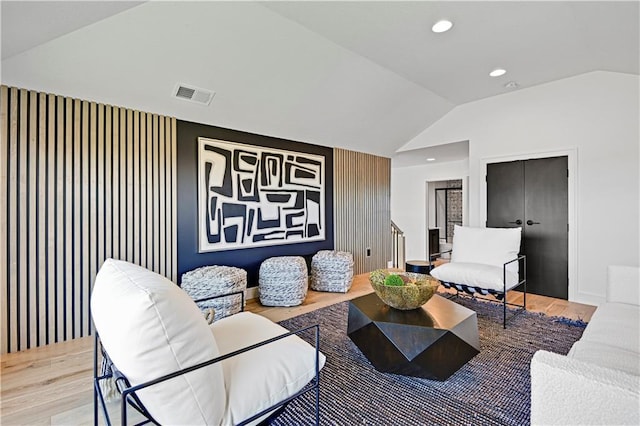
column 362, row 208
column 83, row 182
column 409, row 202
column 596, row 115
column 249, row 259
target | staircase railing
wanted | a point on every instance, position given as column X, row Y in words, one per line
column 398, row 248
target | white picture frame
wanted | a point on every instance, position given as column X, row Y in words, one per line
column 256, row 196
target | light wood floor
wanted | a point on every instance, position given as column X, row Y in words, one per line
column 52, row 385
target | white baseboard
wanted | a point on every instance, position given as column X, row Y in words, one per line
column 589, row 298
column 252, row 293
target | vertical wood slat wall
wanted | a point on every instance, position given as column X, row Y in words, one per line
column 362, row 208
column 82, row 182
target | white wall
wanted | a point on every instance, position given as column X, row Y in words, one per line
column 594, row 115
column 409, row 200
column 271, row 75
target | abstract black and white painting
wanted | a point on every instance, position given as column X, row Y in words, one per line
column 251, row 196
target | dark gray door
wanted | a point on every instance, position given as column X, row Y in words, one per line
column 533, row 194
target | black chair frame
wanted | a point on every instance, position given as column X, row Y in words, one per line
column 129, row 396
column 500, row 296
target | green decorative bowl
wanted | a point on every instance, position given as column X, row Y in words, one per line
column 415, row 293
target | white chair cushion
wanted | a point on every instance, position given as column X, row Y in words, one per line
column 150, row 327
column 264, row 376
column 487, row 246
column 623, row 284
column 615, row 324
column 606, row 356
column 475, row 275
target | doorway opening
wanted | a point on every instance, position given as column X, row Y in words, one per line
column 448, row 209
column 446, row 202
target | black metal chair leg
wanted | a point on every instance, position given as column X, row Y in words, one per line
column 95, row 376
column 95, row 405
column 123, row 412
column 317, row 407
column 504, row 311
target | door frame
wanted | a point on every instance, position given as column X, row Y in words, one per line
column 430, row 202
column 572, row 181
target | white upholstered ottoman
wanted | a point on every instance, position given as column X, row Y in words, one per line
column 331, row 271
column 215, row 280
column 283, row 281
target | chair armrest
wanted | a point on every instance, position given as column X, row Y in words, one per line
column 516, row 259
column 230, row 355
column 623, row 284
column 524, row 271
column 218, row 296
column 129, row 395
column 569, row 392
column 434, row 256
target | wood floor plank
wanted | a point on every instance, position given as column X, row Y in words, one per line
column 49, row 397
column 62, row 349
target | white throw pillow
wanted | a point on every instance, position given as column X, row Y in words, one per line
column 264, row 376
column 150, row 327
column 623, row 284
column 488, row 246
column 475, row 275
column 615, row 324
column 606, row 356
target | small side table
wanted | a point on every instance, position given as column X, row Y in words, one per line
column 417, row 267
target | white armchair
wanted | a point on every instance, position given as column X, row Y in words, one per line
column 178, row 369
column 484, row 261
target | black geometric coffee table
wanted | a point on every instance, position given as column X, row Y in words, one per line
column 431, row 342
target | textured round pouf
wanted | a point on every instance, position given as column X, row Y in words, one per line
column 331, row 271
column 215, row 280
column 283, row 281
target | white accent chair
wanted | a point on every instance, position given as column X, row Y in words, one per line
column 177, row 369
column 484, row 261
column 598, row 381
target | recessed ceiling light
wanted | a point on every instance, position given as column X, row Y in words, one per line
column 431, row 159
column 497, row 72
column 442, row 26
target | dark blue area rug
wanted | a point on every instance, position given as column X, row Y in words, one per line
column 491, row 389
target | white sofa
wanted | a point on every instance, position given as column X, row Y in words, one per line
column 598, row 381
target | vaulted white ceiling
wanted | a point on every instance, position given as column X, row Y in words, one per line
column 366, row 76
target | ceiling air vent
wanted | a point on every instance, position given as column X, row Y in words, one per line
column 193, row 94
